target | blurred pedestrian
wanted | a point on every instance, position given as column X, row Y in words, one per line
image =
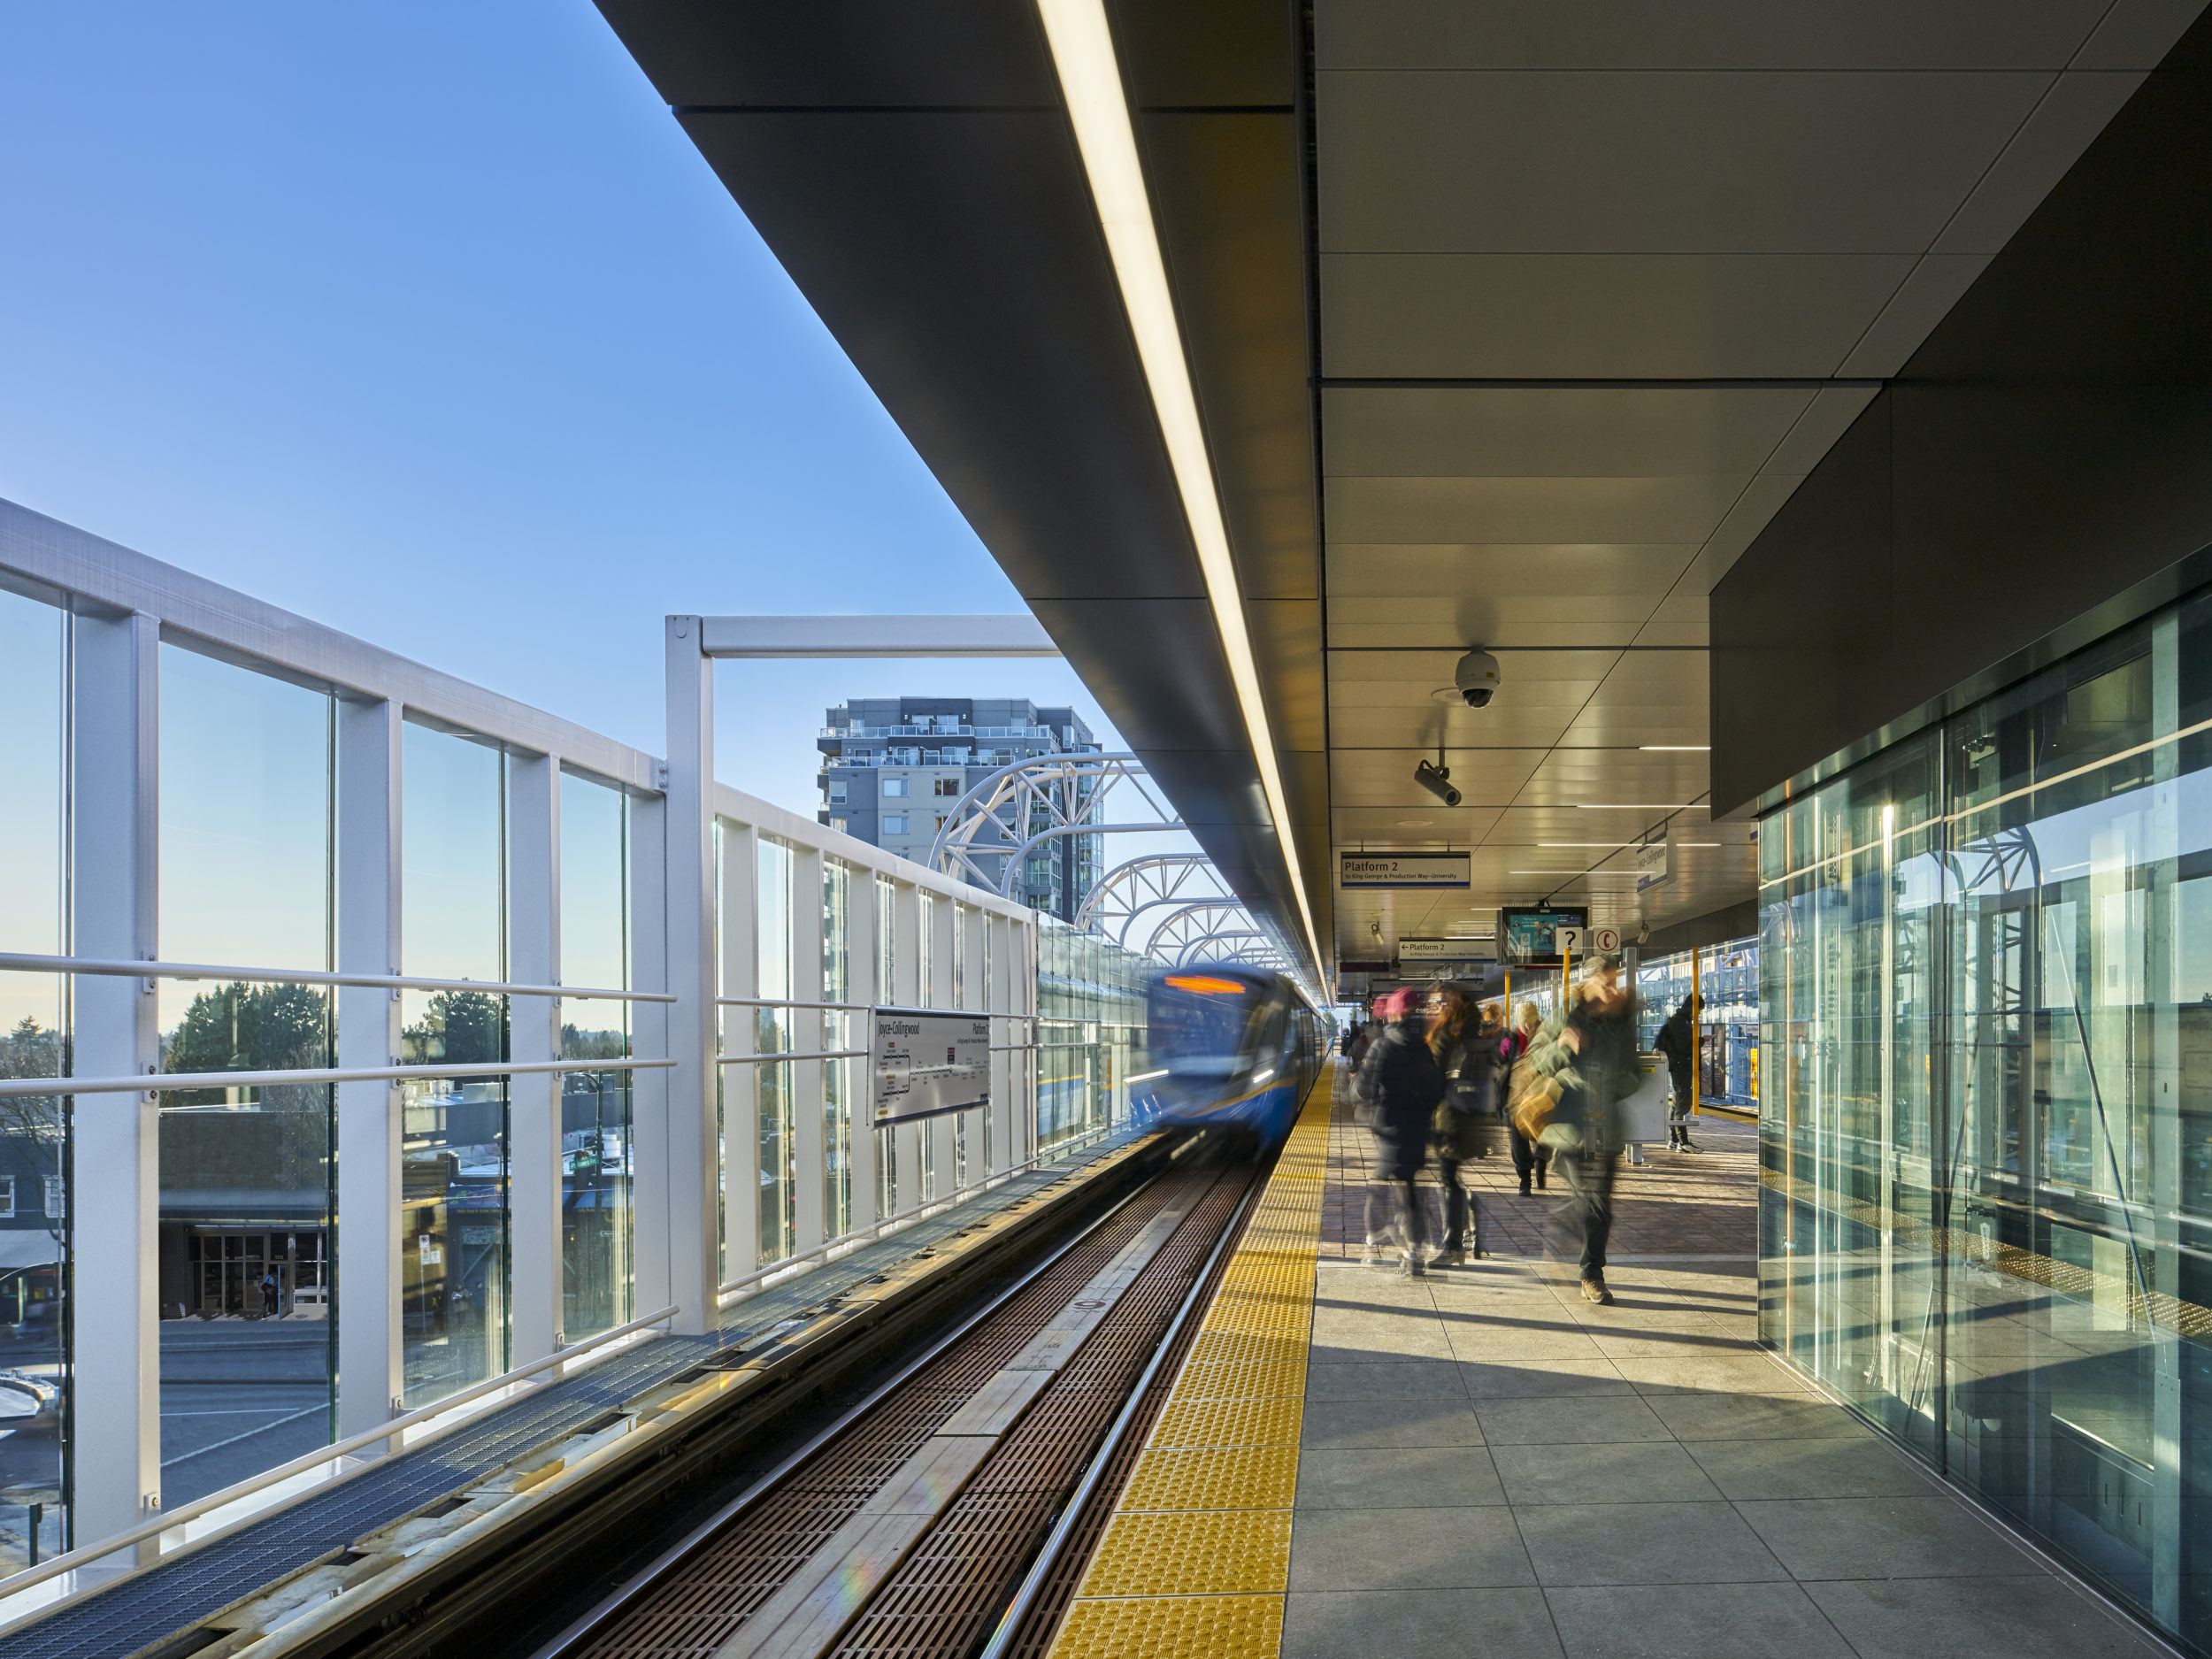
column 1403, row 1088
column 1514, row 1051
column 1593, row 1061
column 1677, row 1040
column 1468, row 1065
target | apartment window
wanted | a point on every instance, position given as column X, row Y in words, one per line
column 837, row 792
column 7, row 1194
column 838, row 824
column 949, row 786
column 53, row 1197
column 894, row 786
column 894, row 824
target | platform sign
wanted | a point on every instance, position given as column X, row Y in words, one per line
column 1653, row 868
column 1404, row 870
column 1567, row 941
column 1601, row 941
column 1447, row 950
column 928, row 1061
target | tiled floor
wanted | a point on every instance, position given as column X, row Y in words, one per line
column 1673, row 1203
column 1491, row 1466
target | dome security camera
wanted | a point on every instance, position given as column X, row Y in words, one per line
column 1477, row 678
column 1437, row 781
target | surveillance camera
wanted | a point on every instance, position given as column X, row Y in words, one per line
column 1477, row 678
column 1438, row 781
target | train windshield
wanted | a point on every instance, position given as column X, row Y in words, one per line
column 1207, row 1025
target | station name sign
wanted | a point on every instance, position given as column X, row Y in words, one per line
column 928, row 1063
column 1404, row 870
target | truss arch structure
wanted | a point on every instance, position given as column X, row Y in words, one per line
column 991, row 830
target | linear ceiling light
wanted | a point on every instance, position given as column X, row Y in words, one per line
column 1620, row 846
column 1635, row 806
column 1083, row 53
column 1674, row 748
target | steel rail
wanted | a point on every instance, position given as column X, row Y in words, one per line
column 1072, row 1514
column 16, row 961
column 657, row 1571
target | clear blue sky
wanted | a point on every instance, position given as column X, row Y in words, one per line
column 427, row 321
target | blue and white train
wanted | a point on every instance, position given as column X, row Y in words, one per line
column 1230, row 1046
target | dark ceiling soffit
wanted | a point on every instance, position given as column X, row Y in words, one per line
column 2130, row 605
column 1740, row 920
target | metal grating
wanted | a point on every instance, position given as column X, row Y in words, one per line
column 143, row 1609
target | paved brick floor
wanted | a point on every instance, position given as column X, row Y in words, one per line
column 1674, row 1204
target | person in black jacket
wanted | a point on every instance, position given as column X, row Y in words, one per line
column 1677, row 1040
column 1466, row 1049
column 1403, row 1088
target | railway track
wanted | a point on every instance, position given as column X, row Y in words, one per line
column 948, row 1512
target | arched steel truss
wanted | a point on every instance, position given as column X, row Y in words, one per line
column 1140, row 885
column 991, row 830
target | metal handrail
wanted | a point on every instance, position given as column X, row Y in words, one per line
column 786, row 1001
column 122, row 968
column 167, row 1082
column 762, row 1059
column 85, row 1555
column 875, row 1230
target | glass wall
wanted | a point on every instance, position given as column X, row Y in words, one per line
column 778, row 1163
column 453, row 1167
column 248, row 1346
column 1090, row 1032
column 598, row 1276
column 1986, row 1141
column 34, row 665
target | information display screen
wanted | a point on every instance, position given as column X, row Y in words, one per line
column 1528, row 936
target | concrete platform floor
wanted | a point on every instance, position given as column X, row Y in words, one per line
column 1490, row 1466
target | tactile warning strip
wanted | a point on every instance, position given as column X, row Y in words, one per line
column 1196, row 1558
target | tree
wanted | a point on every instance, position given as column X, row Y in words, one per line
column 31, row 1124
column 239, row 1028
column 459, row 1028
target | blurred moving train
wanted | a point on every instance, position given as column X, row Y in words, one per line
column 1235, row 1047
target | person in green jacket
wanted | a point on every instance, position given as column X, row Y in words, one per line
column 1594, row 1058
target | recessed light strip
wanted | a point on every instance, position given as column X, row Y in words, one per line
column 1083, row 55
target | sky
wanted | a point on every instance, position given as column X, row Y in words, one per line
column 427, row 322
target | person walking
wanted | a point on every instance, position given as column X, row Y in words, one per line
column 1515, row 1049
column 1468, row 1065
column 1595, row 1061
column 1677, row 1040
column 1402, row 1087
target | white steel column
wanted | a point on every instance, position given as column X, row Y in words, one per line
column 1023, row 959
column 112, row 1199
column 740, row 1035
column 938, row 993
column 860, row 979
column 908, row 992
column 1005, row 1068
column 690, row 913
column 809, row 1159
column 533, row 1024
column 368, row 1292
column 649, row 1166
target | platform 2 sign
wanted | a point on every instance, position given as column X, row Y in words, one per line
column 1404, row 870
column 928, row 1061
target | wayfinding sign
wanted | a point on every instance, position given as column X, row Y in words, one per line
column 928, row 1061
column 1404, row 870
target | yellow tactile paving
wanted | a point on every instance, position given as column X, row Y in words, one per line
column 1213, row 1477
column 1197, row 1558
column 1243, row 1422
column 1220, row 1552
column 1171, row 1626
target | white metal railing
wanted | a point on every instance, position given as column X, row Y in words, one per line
column 175, row 1520
column 731, row 1291
column 167, row 1082
column 764, row 1059
column 21, row 962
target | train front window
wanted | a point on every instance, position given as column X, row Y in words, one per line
column 1206, row 1025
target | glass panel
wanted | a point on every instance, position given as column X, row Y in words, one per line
column 595, row 1162
column 839, row 1077
column 246, row 1201
column 1986, row 1129
column 453, row 1232
column 779, row 1177
column 34, row 641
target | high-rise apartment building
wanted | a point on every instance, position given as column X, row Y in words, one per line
column 894, row 770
